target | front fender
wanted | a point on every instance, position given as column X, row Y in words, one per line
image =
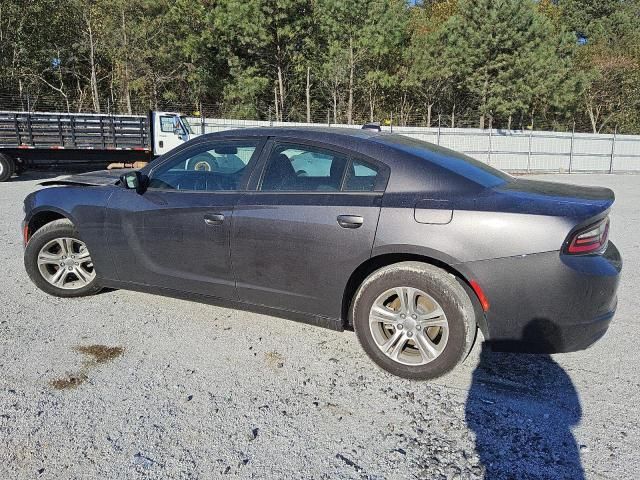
column 85, row 207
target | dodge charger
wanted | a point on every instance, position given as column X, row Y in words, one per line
column 415, row 247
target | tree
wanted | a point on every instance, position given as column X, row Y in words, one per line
column 554, row 61
column 428, row 75
column 582, row 16
column 508, row 57
column 609, row 56
column 380, row 41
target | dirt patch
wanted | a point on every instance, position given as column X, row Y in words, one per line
column 100, row 353
column 274, row 359
column 68, row 382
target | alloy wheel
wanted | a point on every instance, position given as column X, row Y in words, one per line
column 409, row 326
column 66, row 263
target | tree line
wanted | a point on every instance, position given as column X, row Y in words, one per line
column 559, row 64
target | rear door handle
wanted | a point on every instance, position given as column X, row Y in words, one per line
column 214, row 219
column 350, row 221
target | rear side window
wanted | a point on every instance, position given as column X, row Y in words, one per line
column 456, row 162
column 303, row 168
column 361, row 177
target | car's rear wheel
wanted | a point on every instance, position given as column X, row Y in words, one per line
column 59, row 262
column 414, row 320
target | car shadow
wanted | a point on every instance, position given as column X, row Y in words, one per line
column 106, row 290
column 522, row 409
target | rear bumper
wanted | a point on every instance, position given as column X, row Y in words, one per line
column 545, row 336
column 549, row 302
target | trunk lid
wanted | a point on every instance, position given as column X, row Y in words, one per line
column 555, row 199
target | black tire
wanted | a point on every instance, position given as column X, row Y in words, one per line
column 7, row 167
column 62, row 228
column 444, row 289
column 203, row 162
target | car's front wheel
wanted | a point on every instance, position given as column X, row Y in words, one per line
column 414, row 320
column 58, row 261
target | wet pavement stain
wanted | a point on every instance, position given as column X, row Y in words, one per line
column 99, row 354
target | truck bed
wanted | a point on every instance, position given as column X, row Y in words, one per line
column 24, row 130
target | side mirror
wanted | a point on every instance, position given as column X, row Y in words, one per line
column 134, row 181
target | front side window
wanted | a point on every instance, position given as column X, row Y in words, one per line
column 302, row 168
column 209, row 167
column 168, row 124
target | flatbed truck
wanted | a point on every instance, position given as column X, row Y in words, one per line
column 35, row 140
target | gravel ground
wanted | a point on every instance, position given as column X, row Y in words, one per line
column 190, row 390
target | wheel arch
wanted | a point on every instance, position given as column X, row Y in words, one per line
column 44, row 216
column 384, row 259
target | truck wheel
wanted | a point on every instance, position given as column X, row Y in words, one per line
column 414, row 320
column 58, row 261
column 7, row 167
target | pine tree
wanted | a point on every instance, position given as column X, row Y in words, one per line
column 508, row 57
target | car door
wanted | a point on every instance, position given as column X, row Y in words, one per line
column 307, row 223
column 176, row 234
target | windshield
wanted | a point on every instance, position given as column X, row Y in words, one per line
column 185, row 122
column 457, row 162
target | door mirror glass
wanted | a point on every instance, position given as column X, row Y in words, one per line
column 134, row 181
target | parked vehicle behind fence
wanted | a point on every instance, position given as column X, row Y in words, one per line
column 40, row 140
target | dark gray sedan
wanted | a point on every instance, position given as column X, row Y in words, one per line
column 413, row 246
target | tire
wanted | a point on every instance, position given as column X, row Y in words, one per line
column 450, row 333
column 203, row 162
column 56, row 244
column 7, row 167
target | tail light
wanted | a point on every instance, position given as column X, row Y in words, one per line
column 590, row 239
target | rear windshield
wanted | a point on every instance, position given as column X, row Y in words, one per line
column 459, row 163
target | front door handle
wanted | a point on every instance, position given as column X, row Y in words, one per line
column 214, row 219
column 350, row 221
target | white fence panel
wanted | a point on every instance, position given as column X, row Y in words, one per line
column 511, row 150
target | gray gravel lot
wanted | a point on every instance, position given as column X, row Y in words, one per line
column 203, row 392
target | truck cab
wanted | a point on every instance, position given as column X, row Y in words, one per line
column 169, row 130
